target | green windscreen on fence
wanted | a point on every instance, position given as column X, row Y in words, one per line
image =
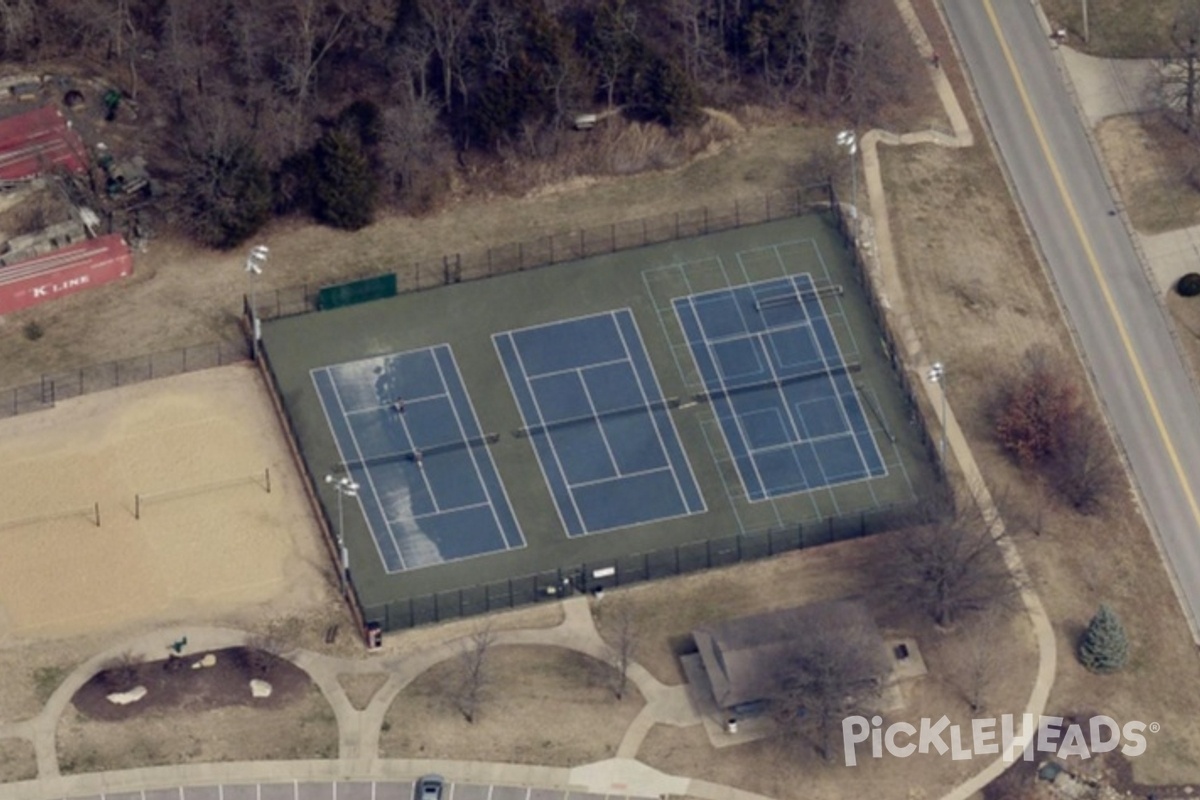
column 365, row 290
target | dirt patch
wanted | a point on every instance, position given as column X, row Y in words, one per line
column 185, row 684
column 304, row 729
column 360, row 689
column 18, row 761
column 1148, row 158
column 545, row 705
column 542, row 615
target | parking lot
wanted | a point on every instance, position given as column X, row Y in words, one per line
column 351, row 790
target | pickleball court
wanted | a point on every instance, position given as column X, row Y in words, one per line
column 598, row 412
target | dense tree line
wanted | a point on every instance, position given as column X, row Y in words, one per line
column 363, row 99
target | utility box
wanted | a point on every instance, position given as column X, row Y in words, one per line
column 374, row 636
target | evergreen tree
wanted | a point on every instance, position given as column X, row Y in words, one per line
column 667, row 94
column 1104, row 647
column 346, row 189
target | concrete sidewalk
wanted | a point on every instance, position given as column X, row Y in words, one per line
column 1108, row 87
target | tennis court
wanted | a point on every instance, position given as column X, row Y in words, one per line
column 599, row 423
column 627, row 416
column 408, row 435
column 788, row 410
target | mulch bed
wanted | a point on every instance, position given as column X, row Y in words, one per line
column 173, row 685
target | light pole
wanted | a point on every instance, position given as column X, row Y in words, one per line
column 254, row 266
column 937, row 374
column 345, row 487
column 849, row 140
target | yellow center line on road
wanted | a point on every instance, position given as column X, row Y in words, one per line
column 1122, row 331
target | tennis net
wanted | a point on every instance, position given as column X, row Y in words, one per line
column 425, row 452
column 830, row 371
column 584, row 419
column 795, row 296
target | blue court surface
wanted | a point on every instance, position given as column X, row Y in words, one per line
column 781, row 390
column 599, row 424
column 407, row 433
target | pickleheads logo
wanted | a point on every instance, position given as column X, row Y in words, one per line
column 995, row 736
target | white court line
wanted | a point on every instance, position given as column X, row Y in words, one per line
column 654, row 417
column 463, row 432
column 342, row 458
column 637, row 474
column 491, row 465
column 596, row 416
column 735, row 417
column 537, row 456
column 549, row 440
column 370, row 482
column 555, row 323
column 567, row 370
column 838, row 397
column 791, row 412
column 413, row 447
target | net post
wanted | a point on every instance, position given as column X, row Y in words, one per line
column 97, row 510
column 267, row 475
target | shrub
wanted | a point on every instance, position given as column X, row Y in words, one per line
column 1188, row 285
column 1042, row 423
column 1104, row 647
column 227, row 195
column 1034, row 410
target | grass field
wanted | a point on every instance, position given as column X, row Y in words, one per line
column 1116, row 28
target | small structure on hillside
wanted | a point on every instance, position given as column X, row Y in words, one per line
column 745, row 659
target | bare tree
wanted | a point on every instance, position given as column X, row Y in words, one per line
column 980, row 665
column 614, row 35
column 18, row 20
column 1180, row 70
column 838, row 671
column 952, row 564
column 1085, row 472
column 314, row 28
column 449, row 23
column 474, row 674
column 868, row 64
column 626, row 640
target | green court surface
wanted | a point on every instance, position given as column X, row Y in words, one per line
column 646, row 281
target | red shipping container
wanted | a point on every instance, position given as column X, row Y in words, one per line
column 38, row 142
column 64, row 272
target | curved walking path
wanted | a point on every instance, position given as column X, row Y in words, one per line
column 359, row 731
column 891, row 291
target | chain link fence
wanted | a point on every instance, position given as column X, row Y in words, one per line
column 625, row 570
column 63, row 385
column 568, row 246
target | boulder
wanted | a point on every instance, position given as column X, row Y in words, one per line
column 125, row 698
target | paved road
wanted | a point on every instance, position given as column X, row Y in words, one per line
column 1110, row 302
